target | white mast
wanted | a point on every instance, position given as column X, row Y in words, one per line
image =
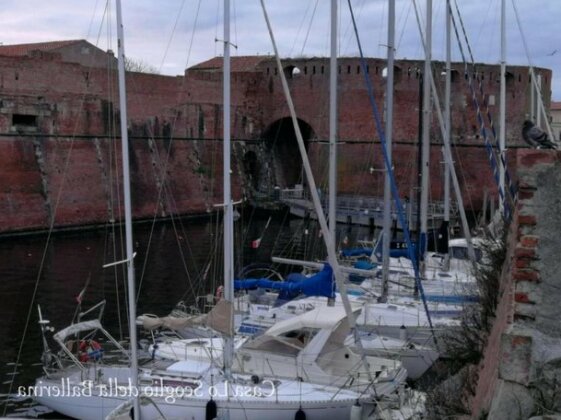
column 447, row 118
column 502, row 115
column 328, row 239
column 333, row 123
column 389, row 133
column 128, row 210
column 447, row 150
column 228, row 206
column 426, row 138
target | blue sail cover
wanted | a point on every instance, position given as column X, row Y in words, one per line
column 320, row 284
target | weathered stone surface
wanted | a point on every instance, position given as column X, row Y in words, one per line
column 529, row 361
column 511, row 401
column 516, row 357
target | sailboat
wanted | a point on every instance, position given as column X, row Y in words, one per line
column 92, row 376
column 310, row 345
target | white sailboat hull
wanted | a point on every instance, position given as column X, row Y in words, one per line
column 92, row 403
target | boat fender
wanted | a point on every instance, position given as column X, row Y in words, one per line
column 211, row 410
column 356, row 411
column 255, row 379
column 403, row 333
column 300, row 415
column 154, row 349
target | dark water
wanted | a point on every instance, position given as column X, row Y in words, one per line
column 175, row 261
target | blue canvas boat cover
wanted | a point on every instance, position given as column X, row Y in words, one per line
column 320, row 284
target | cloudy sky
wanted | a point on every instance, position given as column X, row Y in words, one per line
column 173, row 34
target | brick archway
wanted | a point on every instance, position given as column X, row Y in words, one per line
column 280, row 140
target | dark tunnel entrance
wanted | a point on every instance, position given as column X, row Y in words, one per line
column 280, row 139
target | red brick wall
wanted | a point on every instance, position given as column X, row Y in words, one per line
column 72, row 100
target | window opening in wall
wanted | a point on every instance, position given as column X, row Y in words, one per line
column 357, row 69
column 24, row 120
column 322, row 69
column 314, row 70
column 348, row 69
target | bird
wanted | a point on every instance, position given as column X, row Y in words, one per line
column 535, row 136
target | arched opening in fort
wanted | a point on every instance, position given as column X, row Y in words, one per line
column 280, row 140
column 291, row 71
column 396, row 74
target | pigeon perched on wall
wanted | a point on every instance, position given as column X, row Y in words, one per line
column 535, row 136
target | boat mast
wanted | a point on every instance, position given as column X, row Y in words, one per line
column 447, row 121
column 389, row 132
column 128, row 210
column 502, row 114
column 228, row 206
column 447, row 150
column 426, row 140
column 327, row 238
column 333, row 122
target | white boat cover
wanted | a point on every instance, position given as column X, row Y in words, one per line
column 320, row 317
column 73, row 329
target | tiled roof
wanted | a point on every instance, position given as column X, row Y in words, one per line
column 24, row 49
column 237, row 64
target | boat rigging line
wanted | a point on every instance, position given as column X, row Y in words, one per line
column 389, row 169
column 492, row 155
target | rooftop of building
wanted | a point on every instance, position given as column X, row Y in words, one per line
column 24, row 49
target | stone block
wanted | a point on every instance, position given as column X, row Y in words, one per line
column 526, row 274
column 531, row 291
column 511, row 401
column 524, row 311
column 520, row 252
column 527, row 219
column 529, row 241
column 525, row 194
column 516, row 357
column 531, row 157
